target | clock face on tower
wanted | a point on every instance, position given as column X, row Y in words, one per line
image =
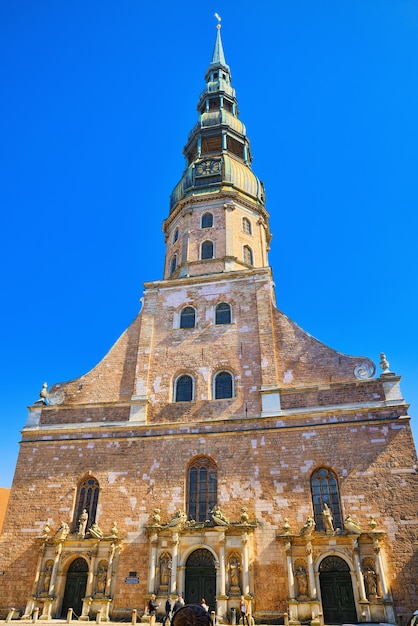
column 208, row 167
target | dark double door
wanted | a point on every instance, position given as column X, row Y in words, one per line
column 75, row 587
column 338, row 603
column 200, row 579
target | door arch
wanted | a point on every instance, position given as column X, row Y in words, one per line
column 75, row 587
column 201, row 578
column 338, row 605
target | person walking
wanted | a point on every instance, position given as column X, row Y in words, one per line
column 169, row 604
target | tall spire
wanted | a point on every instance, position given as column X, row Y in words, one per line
column 218, row 57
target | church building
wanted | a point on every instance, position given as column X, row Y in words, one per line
column 218, row 450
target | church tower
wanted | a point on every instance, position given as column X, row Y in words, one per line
column 218, row 450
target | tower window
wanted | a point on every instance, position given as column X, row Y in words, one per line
column 88, row 496
column 173, row 264
column 324, row 488
column 187, row 317
column 207, row 220
column 176, row 235
column 246, row 226
column 184, row 389
column 248, row 255
column 223, row 313
column 224, row 386
column 202, row 487
column 206, row 251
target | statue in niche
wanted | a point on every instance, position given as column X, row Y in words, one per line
column 301, row 576
column 234, row 570
column 370, row 582
column 165, row 571
column 82, row 523
column 327, row 519
column 101, row 577
column 47, row 576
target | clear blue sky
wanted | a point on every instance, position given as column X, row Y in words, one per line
column 98, row 99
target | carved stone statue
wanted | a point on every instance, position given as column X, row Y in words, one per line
column 178, row 519
column 156, row 517
column 114, row 530
column 308, row 527
column 244, row 515
column 286, row 526
column 62, row 532
column 101, row 577
column 372, row 523
column 96, row 531
column 370, row 583
column 46, row 531
column 234, row 569
column 219, row 517
column 327, row 519
column 47, row 576
column 165, row 570
column 351, row 526
column 301, row 576
column 82, row 523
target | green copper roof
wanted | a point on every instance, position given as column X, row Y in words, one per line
column 217, row 151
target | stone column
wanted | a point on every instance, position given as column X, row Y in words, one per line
column 58, row 550
column 359, row 572
column 245, row 572
column 92, row 572
column 222, row 579
column 174, row 558
column 290, row 576
column 110, row 569
column 380, row 570
column 312, row 583
column 153, row 563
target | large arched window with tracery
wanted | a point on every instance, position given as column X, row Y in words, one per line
column 324, row 488
column 202, row 485
column 87, row 498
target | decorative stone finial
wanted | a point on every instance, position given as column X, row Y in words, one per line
column 43, row 394
column 384, row 363
column 372, row 523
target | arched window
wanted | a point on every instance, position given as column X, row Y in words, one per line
column 223, row 313
column 246, row 226
column 202, row 488
column 224, row 386
column 87, row 498
column 187, row 317
column 207, row 220
column 184, row 389
column 324, row 488
column 173, row 264
column 248, row 255
column 176, row 235
column 206, row 251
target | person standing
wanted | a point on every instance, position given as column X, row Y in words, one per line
column 203, row 603
column 244, row 608
column 179, row 603
column 152, row 609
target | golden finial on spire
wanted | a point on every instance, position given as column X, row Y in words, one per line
column 218, row 17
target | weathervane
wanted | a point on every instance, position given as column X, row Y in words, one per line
column 218, row 17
